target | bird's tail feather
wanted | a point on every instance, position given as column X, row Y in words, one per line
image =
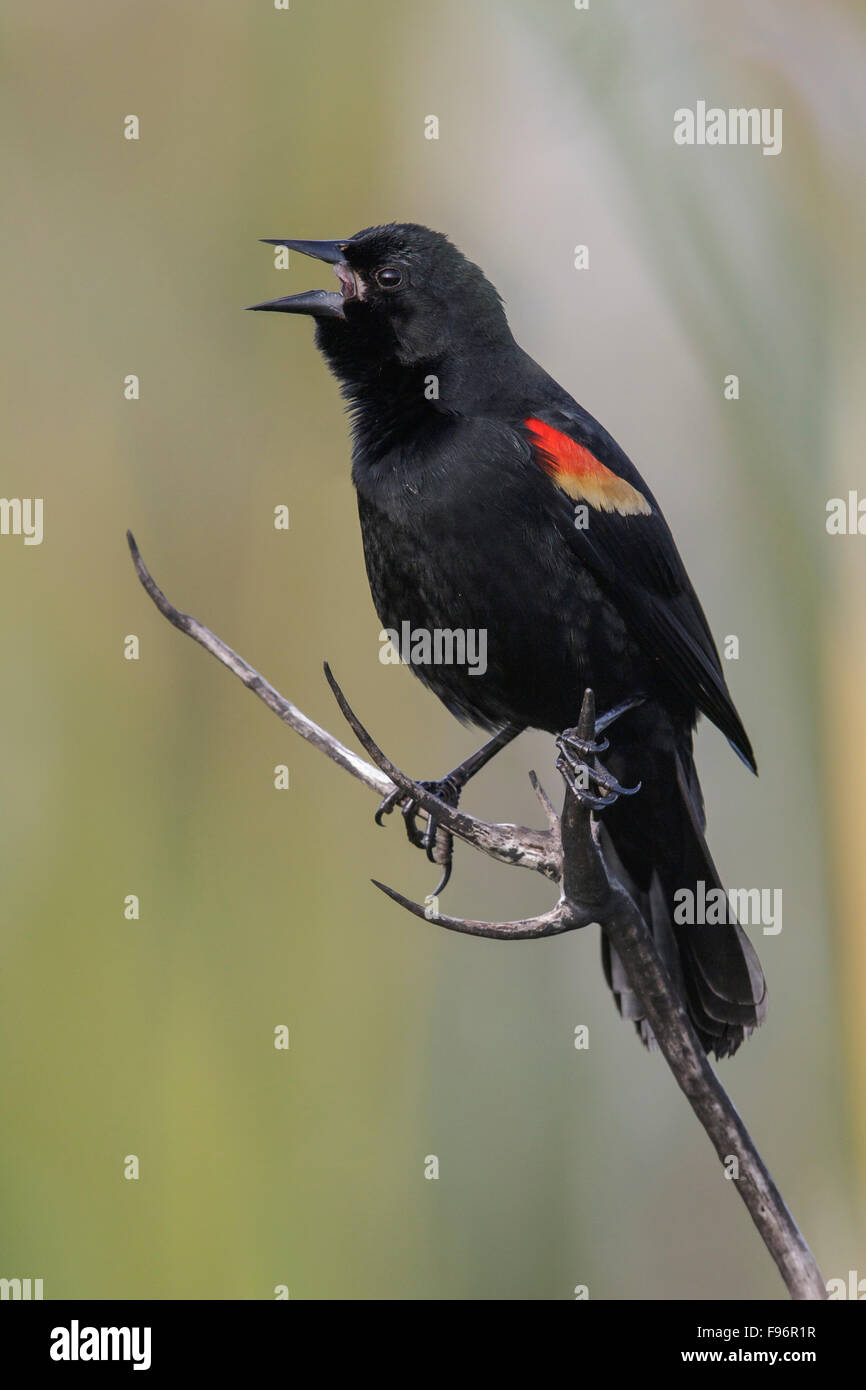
column 713, row 964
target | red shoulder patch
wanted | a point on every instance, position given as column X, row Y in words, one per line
column 579, row 473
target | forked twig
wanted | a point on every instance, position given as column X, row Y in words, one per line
column 567, row 850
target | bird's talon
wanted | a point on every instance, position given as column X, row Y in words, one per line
column 409, row 812
column 571, row 772
column 386, row 806
column 579, row 765
column 607, row 780
column 586, row 747
column 432, row 837
column 443, row 881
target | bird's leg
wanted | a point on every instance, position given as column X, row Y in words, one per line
column 432, row 837
column 578, row 761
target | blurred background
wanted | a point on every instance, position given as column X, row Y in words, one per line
column 155, row 777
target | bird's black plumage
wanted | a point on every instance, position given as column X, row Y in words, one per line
column 490, row 500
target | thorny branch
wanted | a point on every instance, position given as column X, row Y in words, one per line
column 566, row 852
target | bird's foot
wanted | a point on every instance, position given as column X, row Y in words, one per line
column 578, row 761
column 431, row 837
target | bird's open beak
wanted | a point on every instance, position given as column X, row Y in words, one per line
column 320, row 303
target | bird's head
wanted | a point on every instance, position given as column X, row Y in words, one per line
column 406, row 294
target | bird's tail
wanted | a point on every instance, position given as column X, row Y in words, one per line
column 659, row 852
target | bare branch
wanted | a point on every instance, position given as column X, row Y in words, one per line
column 510, row 844
column 586, row 878
column 547, row 805
column 687, row 1060
column 283, row 708
column 588, row 894
column 553, row 923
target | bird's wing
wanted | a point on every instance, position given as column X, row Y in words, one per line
column 621, row 536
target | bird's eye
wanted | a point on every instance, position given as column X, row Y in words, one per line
column 389, row 277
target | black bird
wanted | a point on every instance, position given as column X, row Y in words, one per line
column 491, row 502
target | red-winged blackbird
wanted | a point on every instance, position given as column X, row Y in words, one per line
column 490, row 501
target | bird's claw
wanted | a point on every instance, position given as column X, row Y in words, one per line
column 387, row 804
column 579, row 765
column 434, row 839
column 409, row 810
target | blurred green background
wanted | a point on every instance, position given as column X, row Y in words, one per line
column 155, row 1037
